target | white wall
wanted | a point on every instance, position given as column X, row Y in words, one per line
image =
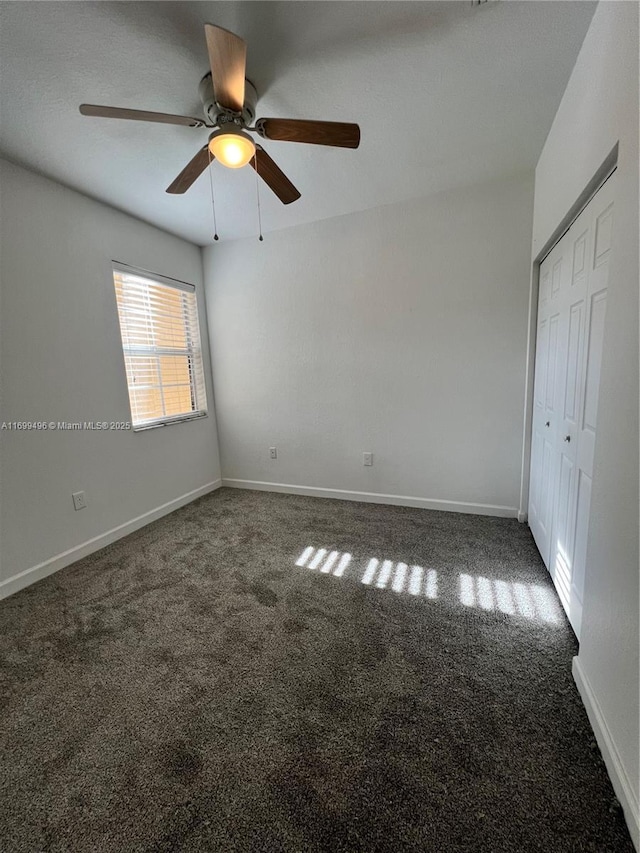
column 61, row 360
column 399, row 330
column 599, row 108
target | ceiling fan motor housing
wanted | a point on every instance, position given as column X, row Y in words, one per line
column 219, row 115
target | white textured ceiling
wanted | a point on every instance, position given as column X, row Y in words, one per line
column 445, row 94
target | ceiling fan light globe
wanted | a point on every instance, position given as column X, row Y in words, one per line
column 233, row 149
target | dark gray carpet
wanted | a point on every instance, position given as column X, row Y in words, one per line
column 190, row 688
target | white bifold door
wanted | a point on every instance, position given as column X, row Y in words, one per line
column 571, row 310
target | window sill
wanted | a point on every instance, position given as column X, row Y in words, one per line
column 169, row 422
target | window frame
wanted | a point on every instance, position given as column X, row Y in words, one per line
column 193, row 352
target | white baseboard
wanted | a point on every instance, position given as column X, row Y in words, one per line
column 374, row 497
column 617, row 773
column 522, row 516
column 54, row 564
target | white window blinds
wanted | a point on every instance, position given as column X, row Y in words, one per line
column 161, row 345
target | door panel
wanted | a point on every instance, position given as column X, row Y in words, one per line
column 552, row 366
column 594, row 360
column 583, row 506
column 541, row 361
column 579, row 259
column 546, row 490
column 574, row 355
column 534, row 494
column 604, row 233
column 562, row 557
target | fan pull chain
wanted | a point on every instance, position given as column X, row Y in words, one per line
column 213, row 204
column 261, row 238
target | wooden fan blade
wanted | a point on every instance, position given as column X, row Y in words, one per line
column 274, row 177
column 138, row 115
column 194, row 168
column 336, row 133
column 228, row 60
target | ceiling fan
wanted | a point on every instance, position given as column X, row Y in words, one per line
column 229, row 101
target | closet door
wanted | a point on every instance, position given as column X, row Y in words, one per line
column 589, row 242
column 573, row 310
column 548, row 370
column 564, row 421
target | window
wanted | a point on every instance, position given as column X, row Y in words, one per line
column 161, row 345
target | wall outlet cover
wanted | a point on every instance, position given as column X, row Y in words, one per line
column 79, row 500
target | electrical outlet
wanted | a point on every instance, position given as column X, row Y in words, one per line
column 273, row 452
column 367, row 459
column 79, row 500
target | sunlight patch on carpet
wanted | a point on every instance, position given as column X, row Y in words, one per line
column 528, row 600
column 383, row 574
column 532, row 601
